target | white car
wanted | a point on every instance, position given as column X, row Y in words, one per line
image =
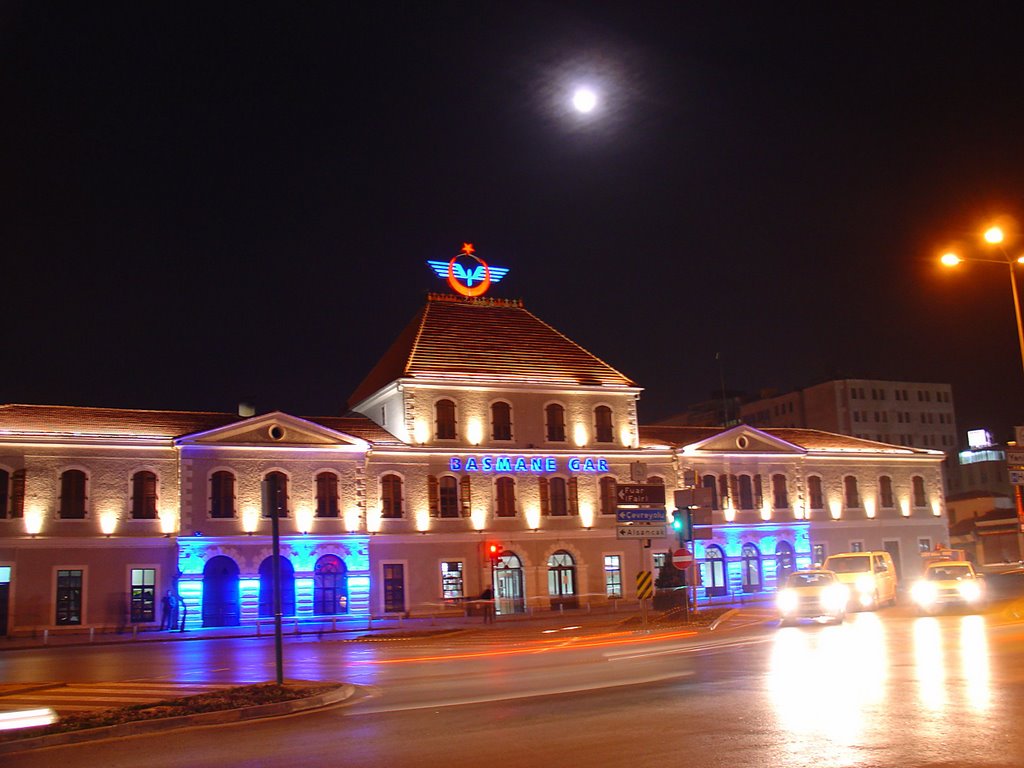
column 949, row 582
column 812, row 594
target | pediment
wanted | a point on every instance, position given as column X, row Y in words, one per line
column 744, row 439
column 275, row 429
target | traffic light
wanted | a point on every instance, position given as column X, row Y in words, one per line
column 493, row 553
column 681, row 524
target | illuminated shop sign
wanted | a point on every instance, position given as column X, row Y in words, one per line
column 467, row 273
column 535, row 464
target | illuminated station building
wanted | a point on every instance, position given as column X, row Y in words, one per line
column 484, row 448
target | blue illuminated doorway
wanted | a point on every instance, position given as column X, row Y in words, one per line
column 751, row 558
column 783, row 562
column 220, row 593
column 330, row 586
column 267, row 587
column 713, row 575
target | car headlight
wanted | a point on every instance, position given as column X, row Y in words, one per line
column 924, row 593
column 969, row 590
column 834, row 598
column 865, row 583
column 786, row 601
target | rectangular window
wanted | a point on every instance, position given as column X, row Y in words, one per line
column 5, row 574
column 613, row 575
column 660, row 558
column 394, row 588
column 856, row 546
column 143, row 584
column 819, row 553
column 924, row 544
column 452, row 587
column 69, row 597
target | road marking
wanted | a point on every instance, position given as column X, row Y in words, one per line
column 77, row 697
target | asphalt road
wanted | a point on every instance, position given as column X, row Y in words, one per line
column 884, row 689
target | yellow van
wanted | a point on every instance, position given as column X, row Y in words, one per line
column 871, row 577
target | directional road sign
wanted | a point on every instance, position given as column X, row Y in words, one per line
column 650, row 495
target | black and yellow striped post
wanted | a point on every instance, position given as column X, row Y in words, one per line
column 644, row 592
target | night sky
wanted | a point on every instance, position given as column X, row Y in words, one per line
column 206, row 204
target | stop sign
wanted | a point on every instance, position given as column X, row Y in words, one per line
column 682, row 559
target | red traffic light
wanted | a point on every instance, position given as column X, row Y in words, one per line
column 493, row 552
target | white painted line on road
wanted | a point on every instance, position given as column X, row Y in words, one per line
column 508, row 696
column 627, row 655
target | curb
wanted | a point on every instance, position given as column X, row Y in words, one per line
column 342, row 693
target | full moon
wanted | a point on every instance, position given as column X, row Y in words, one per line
column 584, row 100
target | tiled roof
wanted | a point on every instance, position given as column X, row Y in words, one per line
column 808, row 439
column 358, row 426
column 75, row 421
column 70, row 420
column 486, row 340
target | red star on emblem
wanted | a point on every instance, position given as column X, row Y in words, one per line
column 467, row 248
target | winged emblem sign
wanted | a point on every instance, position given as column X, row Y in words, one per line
column 468, row 279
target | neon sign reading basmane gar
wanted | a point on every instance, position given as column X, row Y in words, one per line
column 534, row 464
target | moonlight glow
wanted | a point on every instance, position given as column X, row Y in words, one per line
column 584, row 100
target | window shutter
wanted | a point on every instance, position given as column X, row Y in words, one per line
column 545, row 496
column 574, row 496
column 466, row 495
column 433, row 494
column 758, row 492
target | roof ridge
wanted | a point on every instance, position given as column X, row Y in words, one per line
column 116, row 408
column 580, row 347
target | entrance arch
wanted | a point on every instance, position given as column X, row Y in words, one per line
column 508, row 584
column 562, row 580
column 751, row 557
column 713, row 575
column 267, row 587
column 221, row 604
column 783, row 562
column 330, row 586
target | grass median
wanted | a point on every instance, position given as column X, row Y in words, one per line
column 212, row 701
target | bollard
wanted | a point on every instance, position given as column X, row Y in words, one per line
column 259, row 629
column 46, row 637
column 334, row 624
column 92, row 634
column 296, row 626
column 135, row 631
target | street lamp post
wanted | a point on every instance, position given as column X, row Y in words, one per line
column 995, row 236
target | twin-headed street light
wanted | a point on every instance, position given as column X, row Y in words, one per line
column 995, row 236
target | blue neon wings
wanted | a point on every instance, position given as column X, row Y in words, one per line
column 468, row 276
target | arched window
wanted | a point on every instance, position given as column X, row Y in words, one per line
column 326, row 494
column 751, row 558
column 277, row 493
column 746, row 492
column 445, row 424
column 501, row 421
column 448, row 496
column 330, row 586
column 558, row 498
column 222, row 494
column 555, row 423
column 920, row 498
column 267, row 587
column 713, row 576
column 783, row 563
column 885, row 497
column 391, row 496
column 816, row 498
column 562, row 580
column 708, row 481
column 144, row 496
column 852, row 494
column 725, row 490
column 603, row 424
column 609, row 495
column 505, row 497
column 780, row 494
column 72, row 495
